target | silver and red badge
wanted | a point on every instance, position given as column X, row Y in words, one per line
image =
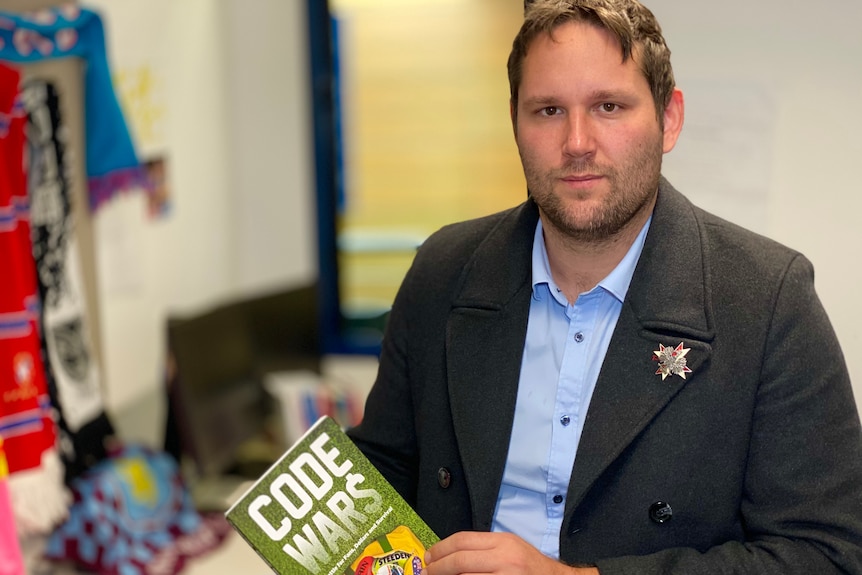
column 671, row 361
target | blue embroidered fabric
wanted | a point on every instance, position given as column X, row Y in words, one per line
column 70, row 31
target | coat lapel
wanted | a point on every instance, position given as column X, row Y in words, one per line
column 484, row 347
column 668, row 304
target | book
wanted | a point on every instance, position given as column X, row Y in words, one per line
column 324, row 509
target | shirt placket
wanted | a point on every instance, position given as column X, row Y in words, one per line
column 568, row 417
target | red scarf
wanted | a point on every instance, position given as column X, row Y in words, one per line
column 25, row 417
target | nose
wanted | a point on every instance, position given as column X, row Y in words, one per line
column 580, row 140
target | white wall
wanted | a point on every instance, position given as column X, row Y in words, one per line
column 780, row 75
column 803, row 61
column 270, row 130
column 229, row 92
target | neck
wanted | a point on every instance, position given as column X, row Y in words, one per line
column 577, row 266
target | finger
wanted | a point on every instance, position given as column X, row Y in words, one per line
column 465, row 562
column 461, row 541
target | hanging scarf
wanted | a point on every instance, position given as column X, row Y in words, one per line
column 73, row 376
column 111, row 163
column 27, row 426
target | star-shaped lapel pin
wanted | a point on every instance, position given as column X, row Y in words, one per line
column 671, row 361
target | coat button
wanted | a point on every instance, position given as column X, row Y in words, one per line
column 660, row 512
column 444, row 478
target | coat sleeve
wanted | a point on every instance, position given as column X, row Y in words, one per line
column 387, row 432
column 802, row 497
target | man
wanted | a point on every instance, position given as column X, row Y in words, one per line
column 607, row 379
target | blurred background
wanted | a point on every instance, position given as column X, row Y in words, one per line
column 222, row 91
column 313, row 144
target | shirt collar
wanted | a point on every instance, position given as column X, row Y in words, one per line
column 616, row 283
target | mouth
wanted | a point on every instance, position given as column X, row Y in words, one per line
column 581, row 180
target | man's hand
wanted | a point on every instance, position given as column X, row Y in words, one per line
column 497, row 553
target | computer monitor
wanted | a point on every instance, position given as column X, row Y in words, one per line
column 218, row 359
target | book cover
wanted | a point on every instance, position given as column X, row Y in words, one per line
column 324, row 509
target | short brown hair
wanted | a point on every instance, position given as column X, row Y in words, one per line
column 631, row 22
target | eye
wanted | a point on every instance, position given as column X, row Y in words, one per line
column 550, row 111
column 609, row 107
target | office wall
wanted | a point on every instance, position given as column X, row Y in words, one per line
column 217, row 89
column 772, row 132
column 771, row 141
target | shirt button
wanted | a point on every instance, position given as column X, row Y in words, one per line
column 558, row 499
column 579, row 337
column 565, row 420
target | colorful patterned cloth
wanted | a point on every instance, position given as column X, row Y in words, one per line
column 68, row 30
column 74, row 380
column 133, row 516
column 25, row 418
column 27, row 425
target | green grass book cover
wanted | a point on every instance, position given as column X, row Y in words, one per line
column 323, row 509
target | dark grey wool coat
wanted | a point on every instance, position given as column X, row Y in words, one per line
column 756, row 454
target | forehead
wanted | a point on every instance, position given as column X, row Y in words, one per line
column 578, row 55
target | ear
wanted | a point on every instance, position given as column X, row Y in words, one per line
column 513, row 114
column 674, row 115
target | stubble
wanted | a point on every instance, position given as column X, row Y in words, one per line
column 632, row 187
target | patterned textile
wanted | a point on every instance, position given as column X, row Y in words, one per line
column 68, row 30
column 25, row 418
column 27, row 425
column 133, row 516
column 73, row 377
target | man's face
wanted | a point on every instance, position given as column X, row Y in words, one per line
column 587, row 132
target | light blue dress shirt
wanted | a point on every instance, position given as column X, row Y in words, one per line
column 565, row 347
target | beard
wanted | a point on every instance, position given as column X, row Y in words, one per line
column 632, row 186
